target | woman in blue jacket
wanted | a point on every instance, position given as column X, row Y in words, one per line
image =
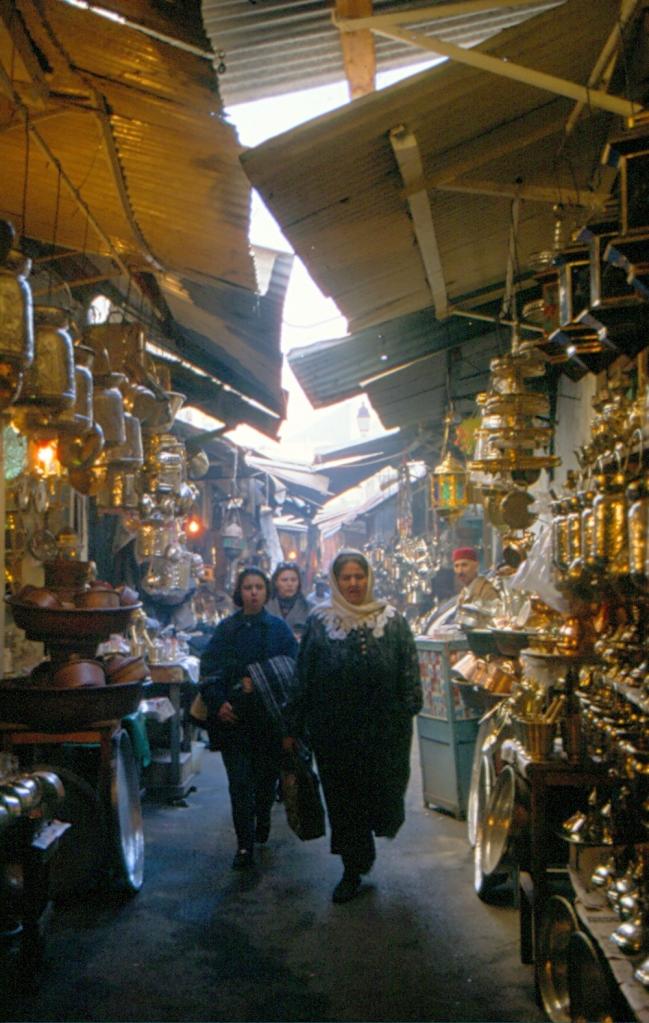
column 247, row 650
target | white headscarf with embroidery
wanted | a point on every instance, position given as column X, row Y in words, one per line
column 340, row 617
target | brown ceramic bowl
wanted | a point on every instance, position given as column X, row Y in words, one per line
column 97, row 598
column 125, row 669
column 77, row 629
column 41, row 597
column 79, row 673
column 128, row 596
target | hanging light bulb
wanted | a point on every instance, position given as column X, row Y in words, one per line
column 194, row 526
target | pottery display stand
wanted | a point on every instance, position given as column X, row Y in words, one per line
column 38, row 721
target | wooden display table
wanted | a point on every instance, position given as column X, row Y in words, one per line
column 535, row 884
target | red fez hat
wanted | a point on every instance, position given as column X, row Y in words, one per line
column 465, row 554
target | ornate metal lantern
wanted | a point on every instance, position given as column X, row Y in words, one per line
column 449, row 479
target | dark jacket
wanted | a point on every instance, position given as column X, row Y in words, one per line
column 238, row 641
column 354, row 703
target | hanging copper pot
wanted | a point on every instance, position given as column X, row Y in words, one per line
column 16, row 316
column 49, row 383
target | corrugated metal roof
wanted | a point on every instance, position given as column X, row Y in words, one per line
column 335, row 189
column 136, row 125
column 177, row 156
column 409, row 367
column 271, row 47
column 330, row 371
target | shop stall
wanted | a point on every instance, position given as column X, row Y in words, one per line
column 558, row 792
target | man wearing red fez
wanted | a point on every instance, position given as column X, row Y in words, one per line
column 473, row 587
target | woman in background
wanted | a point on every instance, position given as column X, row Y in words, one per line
column 357, row 689
column 245, row 672
column 286, row 598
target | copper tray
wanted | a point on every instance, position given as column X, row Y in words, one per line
column 65, row 710
column 59, row 626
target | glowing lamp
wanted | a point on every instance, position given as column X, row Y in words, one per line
column 42, row 457
column 194, row 526
column 449, row 487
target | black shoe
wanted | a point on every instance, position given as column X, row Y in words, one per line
column 262, row 832
column 242, row 859
column 347, row 888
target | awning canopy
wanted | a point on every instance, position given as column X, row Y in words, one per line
column 459, row 144
column 121, row 171
column 410, row 367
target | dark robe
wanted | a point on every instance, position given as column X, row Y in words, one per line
column 354, row 701
column 237, row 642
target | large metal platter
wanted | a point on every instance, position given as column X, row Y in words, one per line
column 588, row 983
column 506, row 824
column 126, row 816
column 558, row 922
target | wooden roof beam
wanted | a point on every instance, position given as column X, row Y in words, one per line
column 499, row 142
column 605, row 63
column 421, row 14
column 406, row 150
column 550, row 193
column 358, row 48
column 516, row 72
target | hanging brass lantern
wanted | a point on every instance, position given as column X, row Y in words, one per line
column 49, row 384
column 16, row 317
column 449, row 479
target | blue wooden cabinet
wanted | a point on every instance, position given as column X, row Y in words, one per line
column 446, row 728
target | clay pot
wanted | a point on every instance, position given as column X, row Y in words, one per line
column 97, row 598
column 125, row 669
column 79, row 673
column 41, row 597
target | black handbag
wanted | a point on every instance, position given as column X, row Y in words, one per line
column 301, row 795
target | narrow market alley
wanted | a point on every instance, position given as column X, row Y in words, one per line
column 201, row 942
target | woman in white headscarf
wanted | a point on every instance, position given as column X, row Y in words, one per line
column 357, row 690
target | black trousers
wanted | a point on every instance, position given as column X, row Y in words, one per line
column 252, row 778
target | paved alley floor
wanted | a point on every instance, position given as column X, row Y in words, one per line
column 202, row 942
